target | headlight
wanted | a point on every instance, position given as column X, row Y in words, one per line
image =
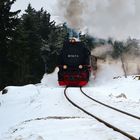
column 80, row 66
column 64, row 66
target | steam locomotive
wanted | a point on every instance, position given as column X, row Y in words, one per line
column 74, row 64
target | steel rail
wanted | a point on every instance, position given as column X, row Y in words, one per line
column 100, row 120
column 111, row 107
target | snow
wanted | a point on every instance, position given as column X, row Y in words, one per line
column 41, row 112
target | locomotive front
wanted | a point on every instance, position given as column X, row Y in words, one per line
column 74, row 64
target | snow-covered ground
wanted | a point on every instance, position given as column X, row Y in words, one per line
column 41, row 112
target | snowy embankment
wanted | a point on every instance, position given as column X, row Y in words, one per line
column 41, row 112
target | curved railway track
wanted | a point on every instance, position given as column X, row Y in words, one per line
column 101, row 103
column 99, row 119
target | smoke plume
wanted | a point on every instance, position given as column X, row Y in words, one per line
column 103, row 18
column 72, row 12
column 118, row 19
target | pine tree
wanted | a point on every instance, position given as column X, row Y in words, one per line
column 8, row 24
column 132, row 47
column 118, row 49
column 89, row 41
column 52, row 46
column 46, row 25
column 27, row 44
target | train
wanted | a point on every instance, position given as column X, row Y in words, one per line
column 74, row 64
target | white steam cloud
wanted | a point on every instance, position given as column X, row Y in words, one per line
column 103, row 18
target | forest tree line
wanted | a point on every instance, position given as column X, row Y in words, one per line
column 25, row 42
column 30, row 44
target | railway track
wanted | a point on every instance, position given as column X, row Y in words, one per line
column 101, row 103
column 131, row 137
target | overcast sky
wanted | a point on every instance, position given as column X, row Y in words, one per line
column 37, row 4
column 103, row 18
